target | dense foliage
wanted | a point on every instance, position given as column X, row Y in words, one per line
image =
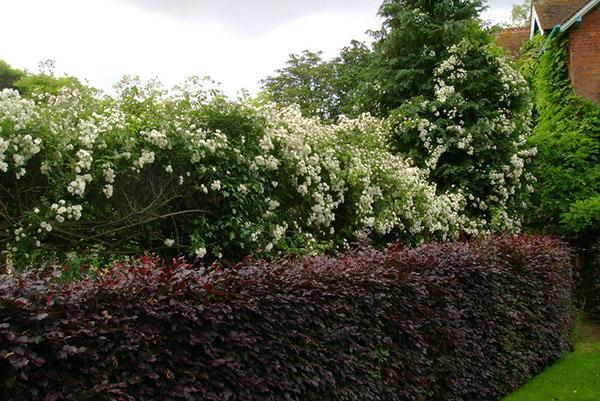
column 456, row 107
column 416, row 37
column 186, row 172
column 413, row 41
column 328, row 89
column 468, row 112
column 29, row 83
column 8, row 75
column 452, row 321
column 592, row 285
column 567, row 135
column 521, row 13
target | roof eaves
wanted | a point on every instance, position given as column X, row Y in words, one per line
column 579, row 15
column 535, row 20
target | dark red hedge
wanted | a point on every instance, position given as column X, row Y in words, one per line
column 590, row 281
column 452, row 321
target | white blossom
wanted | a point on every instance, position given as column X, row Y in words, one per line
column 147, row 157
column 200, row 252
column 215, row 185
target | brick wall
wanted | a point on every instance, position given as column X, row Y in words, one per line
column 584, row 60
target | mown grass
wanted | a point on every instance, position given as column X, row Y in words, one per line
column 576, row 377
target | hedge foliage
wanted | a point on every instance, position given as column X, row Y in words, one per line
column 446, row 321
column 185, row 171
column 567, row 135
column 471, row 133
column 591, row 284
column 456, row 107
column 28, row 84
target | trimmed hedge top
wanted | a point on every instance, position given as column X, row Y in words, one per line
column 450, row 321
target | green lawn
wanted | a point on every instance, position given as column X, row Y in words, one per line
column 576, row 377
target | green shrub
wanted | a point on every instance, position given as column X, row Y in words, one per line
column 567, row 135
column 583, row 217
column 29, row 84
column 471, row 133
column 8, row 75
column 186, row 172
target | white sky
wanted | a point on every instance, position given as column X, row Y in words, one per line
column 236, row 42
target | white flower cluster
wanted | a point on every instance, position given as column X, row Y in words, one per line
column 77, row 186
column 215, row 185
column 156, row 138
column 452, row 69
column 513, row 83
column 15, row 109
column 291, row 179
column 442, row 129
column 89, row 132
column 302, row 147
column 66, row 212
column 84, row 161
column 23, row 147
column 200, row 141
column 147, row 157
column 334, row 161
column 109, row 177
column 18, row 233
column 4, row 144
column 200, row 252
column 45, row 227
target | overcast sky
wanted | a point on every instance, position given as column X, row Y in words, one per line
column 236, row 42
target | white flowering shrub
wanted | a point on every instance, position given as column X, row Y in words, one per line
column 471, row 134
column 187, row 172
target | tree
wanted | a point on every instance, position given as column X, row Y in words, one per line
column 27, row 84
column 8, row 75
column 326, row 88
column 456, row 106
column 356, row 84
column 520, row 13
column 305, row 81
column 415, row 38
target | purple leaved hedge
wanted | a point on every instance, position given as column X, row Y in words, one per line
column 590, row 282
column 448, row 321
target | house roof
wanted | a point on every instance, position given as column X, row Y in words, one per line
column 556, row 12
column 512, row 40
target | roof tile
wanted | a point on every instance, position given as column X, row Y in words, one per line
column 512, row 40
column 555, row 12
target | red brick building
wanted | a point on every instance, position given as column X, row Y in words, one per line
column 580, row 21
